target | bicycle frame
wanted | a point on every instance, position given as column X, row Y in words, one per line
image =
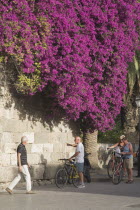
column 72, row 168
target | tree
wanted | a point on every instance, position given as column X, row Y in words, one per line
column 81, row 56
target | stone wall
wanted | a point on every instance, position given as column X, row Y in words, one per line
column 47, row 139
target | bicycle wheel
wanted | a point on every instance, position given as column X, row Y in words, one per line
column 110, row 168
column 117, row 176
column 61, row 178
column 75, row 177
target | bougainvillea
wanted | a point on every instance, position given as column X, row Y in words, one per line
column 23, row 36
column 80, row 48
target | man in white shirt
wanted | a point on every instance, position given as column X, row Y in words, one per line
column 79, row 158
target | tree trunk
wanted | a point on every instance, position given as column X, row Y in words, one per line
column 131, row 120
column 91, row 146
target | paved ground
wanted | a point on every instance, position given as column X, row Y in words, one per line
column 96, row 196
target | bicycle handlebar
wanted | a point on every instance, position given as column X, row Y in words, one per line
column 63, row 159
column 66, row 159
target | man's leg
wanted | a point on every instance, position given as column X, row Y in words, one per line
column 27, row 177
column 130, row 174
column 14, row 183
column 130, row 169
column 81, row 177
column 80, row 167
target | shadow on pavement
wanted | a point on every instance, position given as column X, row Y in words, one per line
column 107, row 188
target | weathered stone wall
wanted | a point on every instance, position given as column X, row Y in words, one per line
column 47, row 140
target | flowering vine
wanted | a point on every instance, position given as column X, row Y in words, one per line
column 79, row 49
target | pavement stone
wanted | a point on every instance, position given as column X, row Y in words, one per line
column 95, row 196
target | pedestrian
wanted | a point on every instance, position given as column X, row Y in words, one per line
column 22, row 168
column 128, row 159
column 79, row 158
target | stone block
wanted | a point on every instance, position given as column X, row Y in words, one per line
column 8, row 113
column 30, row 136
column 17, row 137
column 0, row 139
column 5, row 159
column 70, row 137
column 3, row 123
column 69, row 149
column 58, row 147
column 55, row 137
column 51, row 170
column 7, row 174
column 34, row 159
column 37, row 148
column 1, row 112
column 10, row 148
column 13, row 159
column 63, row 138
column 7, row 137
column 1, row 129
column 56, row 156
column 38, row 172
column 46, row 157
column 34, row 126
column 45, row 127
column 14, row 125
column 48, row 147
column 42, row 137
column 2, row 91
column 29, row 148
column 61, row 127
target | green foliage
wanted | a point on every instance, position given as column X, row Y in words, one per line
column 111, row 136
column 25, row 83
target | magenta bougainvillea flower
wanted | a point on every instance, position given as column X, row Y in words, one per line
column 81, row 49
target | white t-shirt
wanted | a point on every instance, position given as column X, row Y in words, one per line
column 80, row 157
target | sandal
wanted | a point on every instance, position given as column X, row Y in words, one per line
column 130, row 181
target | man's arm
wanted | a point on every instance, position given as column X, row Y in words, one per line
column 72, row 145
column 76, row 153
column 19, row 162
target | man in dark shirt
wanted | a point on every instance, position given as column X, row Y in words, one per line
column 22, row 168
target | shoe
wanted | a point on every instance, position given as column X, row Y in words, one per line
column 81, row 186
column 9, row 191
column 129, row 181
column 30, row 192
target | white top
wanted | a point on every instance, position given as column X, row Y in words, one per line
column 80, row 157
column 117, row 149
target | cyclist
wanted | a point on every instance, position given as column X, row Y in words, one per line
column 79, row 158
column 118, row 149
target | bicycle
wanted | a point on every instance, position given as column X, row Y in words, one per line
column 118, row 171
column 67, row 174
column 111, row 164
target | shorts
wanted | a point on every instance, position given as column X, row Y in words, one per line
column 128, row 163
column 80, row 167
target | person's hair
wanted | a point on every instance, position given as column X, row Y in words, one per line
column 23, row 139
